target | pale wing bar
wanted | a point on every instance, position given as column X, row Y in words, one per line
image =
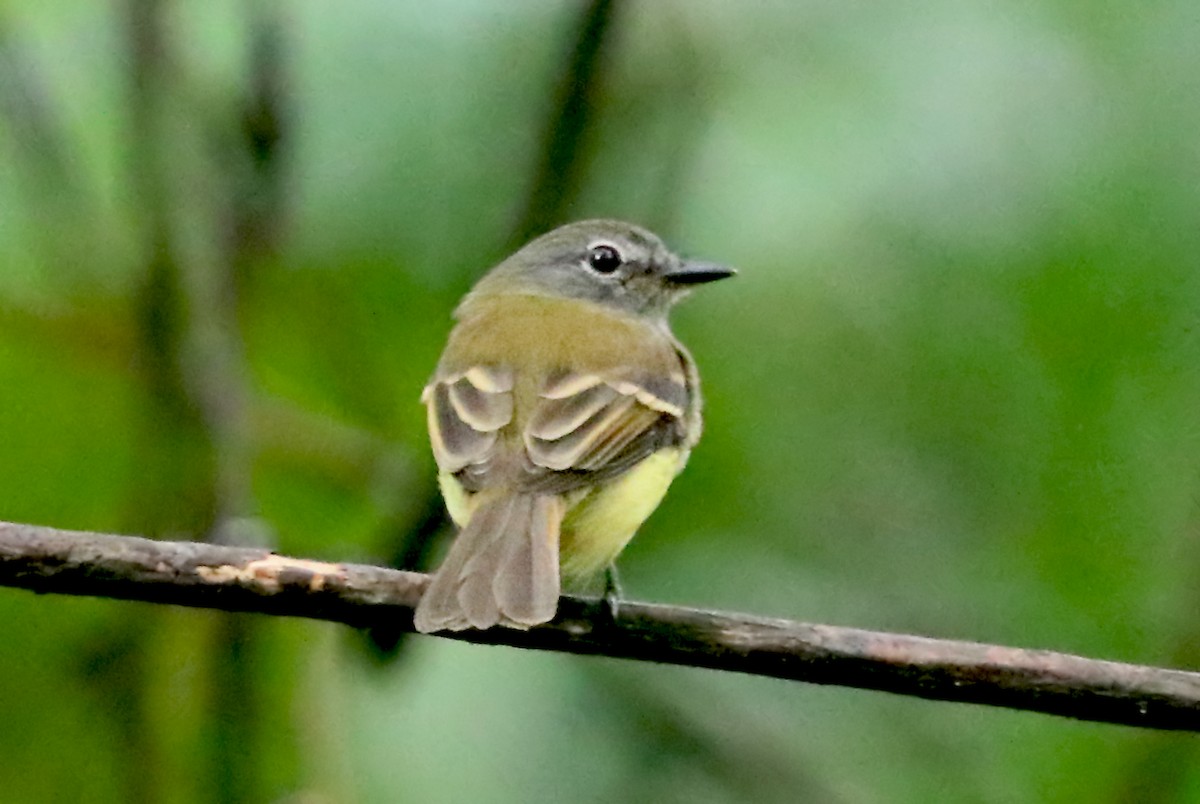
column 466, row 410
column 588, row 426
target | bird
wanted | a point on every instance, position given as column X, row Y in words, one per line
column 559, row 413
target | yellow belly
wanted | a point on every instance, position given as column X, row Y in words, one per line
column 599, row 522
column 599, row 526
column 458, row 503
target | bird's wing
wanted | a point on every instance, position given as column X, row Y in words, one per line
column 466, row 411
column 584, row 427
column 588, row 427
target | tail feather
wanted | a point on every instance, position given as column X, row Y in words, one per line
column 527, row 586
column 501, row 569
column 484, row 549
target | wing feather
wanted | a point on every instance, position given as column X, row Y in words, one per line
column 570, row 450
column 588, row 428
column 484, row 411
column 556, row 417
column 465, row 413
column 584, row 427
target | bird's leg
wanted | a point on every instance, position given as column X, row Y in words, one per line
column 612, row 592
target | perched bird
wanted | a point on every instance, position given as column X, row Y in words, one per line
column 560, row 412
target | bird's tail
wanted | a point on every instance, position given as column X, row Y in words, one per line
column 501, row 569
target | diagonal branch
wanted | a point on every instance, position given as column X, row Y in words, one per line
column 247, row 579
column 565, row 154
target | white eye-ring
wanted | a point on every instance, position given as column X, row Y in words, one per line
column 604, row 258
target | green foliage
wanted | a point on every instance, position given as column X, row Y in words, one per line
column 954, row 391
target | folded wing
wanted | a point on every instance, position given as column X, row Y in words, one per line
column 466, row 412
column 587, row 428
column 583, row 428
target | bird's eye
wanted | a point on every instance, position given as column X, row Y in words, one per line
column 604, row 259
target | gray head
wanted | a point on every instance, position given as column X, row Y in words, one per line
column 603, row 261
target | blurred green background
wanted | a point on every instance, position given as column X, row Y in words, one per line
column 953, row 392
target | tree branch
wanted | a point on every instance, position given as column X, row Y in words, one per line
column 558, row 178
column 247, row 579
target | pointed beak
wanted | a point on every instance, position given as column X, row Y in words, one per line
column 695, row 273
